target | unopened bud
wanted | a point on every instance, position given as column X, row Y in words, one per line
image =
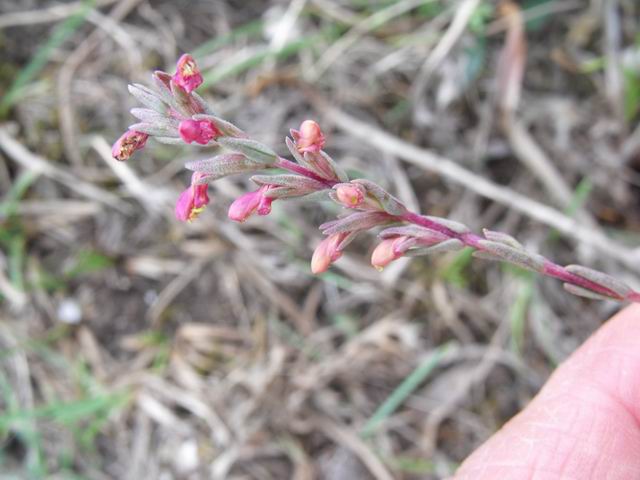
column 349, row 194
column 326, row 253
column 387, row 251
column 309, row 138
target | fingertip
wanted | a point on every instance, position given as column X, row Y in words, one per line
column 587, row 412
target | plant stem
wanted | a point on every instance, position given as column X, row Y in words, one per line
column 300, row 170
column 470, row 239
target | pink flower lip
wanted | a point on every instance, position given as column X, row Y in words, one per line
column 249, row 203
column 244, row 206
column 187, row 74
column 199, row 131
column 193, row 200
column 127, row 144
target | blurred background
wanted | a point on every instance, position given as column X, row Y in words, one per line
column 134, row 346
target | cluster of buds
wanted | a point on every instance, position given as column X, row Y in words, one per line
column 176, row 114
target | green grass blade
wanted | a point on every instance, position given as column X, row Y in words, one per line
column 217, row 74
column 406, row 388
column 248, row 30
column 40, row 59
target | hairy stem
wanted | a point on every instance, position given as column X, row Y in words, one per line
column 469, row 239
column 300, row 170
column 550, row 268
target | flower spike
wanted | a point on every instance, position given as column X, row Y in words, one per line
column 175, row 114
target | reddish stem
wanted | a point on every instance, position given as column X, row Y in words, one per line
column 550, row 268
column 300, row 170
column 469, row 239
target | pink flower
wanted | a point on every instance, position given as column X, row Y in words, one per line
column 388, row 250
column 249, row 203
column 129, row 142
column 349, row 194
column 264, row 208
column 187, row 74
column 193, row 200
column 199, row 131
column 327, row 252
column 309, row 138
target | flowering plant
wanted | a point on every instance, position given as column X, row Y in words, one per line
column 175, row 114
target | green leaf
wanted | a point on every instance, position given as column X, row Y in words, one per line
column 40, row 59
column 631, row 95
column 405, row 389
column 88, row 261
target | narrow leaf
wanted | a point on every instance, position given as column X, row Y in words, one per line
column 253, row 150
column 296, row 154
column 340, row 174
column 155, row 129
column 583, row 292
column 388, row 202
column 502, row 238
column 169, row 140
column 451, row 245
column 521, row 258
column 452, row 225
column 202, row 105
column 228, row 129
column 223, row 165
column 148, row 115
column 355, row 221
column 148, row 98
column 292, row 181
column 600, row 278
column 162, row 81
column 413, row 231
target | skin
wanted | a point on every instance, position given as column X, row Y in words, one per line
column 584, row 424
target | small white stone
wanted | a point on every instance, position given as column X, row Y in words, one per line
column 69, row 311
column 186, row 459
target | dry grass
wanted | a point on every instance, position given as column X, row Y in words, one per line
column 132, row 346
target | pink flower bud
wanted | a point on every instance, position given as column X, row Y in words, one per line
column 187, row 74
column 327, row 252
column 193, row 200
column 349, row 194
column 309, row 138
column 129, row 142
column 387, row 251
column 199, row 131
